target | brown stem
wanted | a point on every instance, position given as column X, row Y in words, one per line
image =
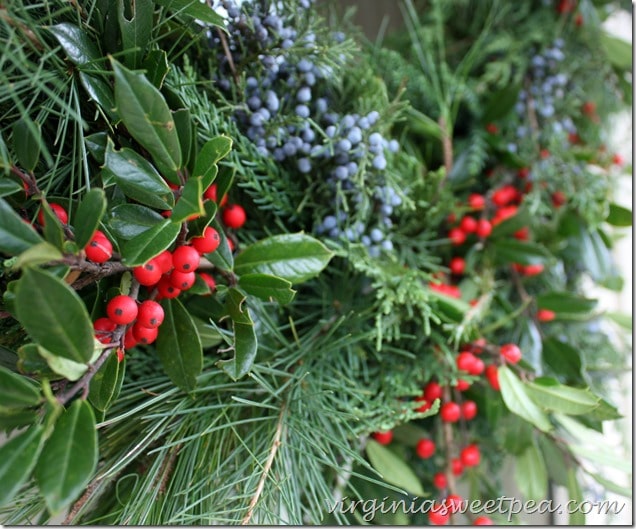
column 25, row 30
column 447, row 146
column 266, row 468
column 447, row 429
column 70, row 517
column 84, row 381
column 228, row 54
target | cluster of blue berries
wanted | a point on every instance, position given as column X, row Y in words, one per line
column 549, row 85
column 287, row 113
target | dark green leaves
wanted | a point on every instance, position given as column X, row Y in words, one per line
column 16, row 236
column 136, row 31
column 618, row 51
column 27, row 141
column 393, row 469
column 550, row 395
column 190, row 202
column 525, row 253
column 147, row 117
column 268, row 288
column 245, row 343
column 137, row 178
column 517, row 400
column 150, row 243
column 77, row 45
column 129, row 220
column 295, row 257
column 69, row 457
column 567, row 305
column 54, row 315
column 17, row 392
column 88, row 216
column 17, row 460
column 179, row 346
column 194, row 9
column 531, row 474
column 211, row 152
column 619, row 216
column 106, row 383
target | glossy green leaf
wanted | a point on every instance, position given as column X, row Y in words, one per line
column 296, row 257
column 596, row 256
column 13, row 419
column 68, row 369
column 136, row 31
column 147, row 117
column 89, row 215
column 52, row 230
column 566, row 305
column 577, row 517
column 129, row 220
column 78, row 46
column 206, row 163
column 194, row 9
column 190, row 202
column 245, row 341
column 179, row 346
column 500, row 103
column 5, row 160
column 17, row 390
column 618, row 51
column 518, row 434
column 137, row 178
column 16, row 235
column 18, row 457
column 517, row 400
column 183, row 121
column 37, row 254
column 555, row 460
column 8, row 187
column 58, row 321
column 619, row 216
column 198, row 225
column 105, row 383
column 454, row 309
column 100, row 92
column 268, row 288
column 393, row 468
column 550, row 395
column 222, row 257
column 27, row 142
column 31, row 362
column 143, row 247
column 514, row 251
column 562, row 358
column 69, row 457
column 96, row 145
column 512, row 224
column 531, row 474
column 156, row 66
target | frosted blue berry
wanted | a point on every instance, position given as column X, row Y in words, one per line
column 379, row 162
column 374, row 251
column 365, row 240
column 321, row 105
column 355, row 135
column 373, row 116
column 304, row 95
column 394, row 146
column 304, row 65
column 330, row 131
column 376, row 235
column 343, row 145
column 375, row 139
column 387, row 245
column 304, row 165
column 341, row 172
column 302, row 111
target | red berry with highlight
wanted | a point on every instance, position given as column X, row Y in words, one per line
column 144, row 335
column 492, row 374
column 450, row 412
column 182, row 280
column 483, row 520
column 122, row 310
column 99, row 249
column 234, row 216
column 439, row 514
column 384, row 438
column 150, row 314
column 165, row 289
column 484, row 228
column 104, row 328
column 185, row 259
column 148, row 274
column 433, row 391
column 510, row 352
column 469, row 410
column 457, row 236
column 470, row 456
column 425, row 448
column 462, row 385
column 476, row 201
column 208, row 242
column 477, row 367
column 545, row 315
column 465, row 361
column 164, row 260
column 209, row 280
column 532, row 270
column 468, row 224
column 457, row 265
column 454, row 503
column 439, row 480
column 457, row 466
column 59, row 212
column 129, row 339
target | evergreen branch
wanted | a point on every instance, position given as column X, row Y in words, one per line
column 84, row 381
column 268, row 465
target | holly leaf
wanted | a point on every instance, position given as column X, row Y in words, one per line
column 27, row 142
column 136, row 32
column 69, row 457
column 550, row 395
column 18, row 457
column 17, row 390
column 106, row 383
column 206, row 163
column 525, row 253
column 147, row 117
column 129, row 220
column 54, row 315
column 78, row 46
column 295, row 257
column 517, row 400
column 267, row 287
column 16, row 235
column 190, row 202
column 531, row 475
column 88, row 216
column 393, row 468
column 194, row 9
column 156, row 66
column 179, row 346
column 619, row 216
column 150, row 243
column 245, row 342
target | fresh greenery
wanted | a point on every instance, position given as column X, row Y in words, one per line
column 411, row 205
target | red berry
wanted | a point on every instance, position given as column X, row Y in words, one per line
column 544, row 154
column 129, row 339
column 211, row 194
column 182, row 280
column 504, row 195
column 99, row 249
column 504, row 214
column 469, row 410
column 209, row 280
column 558, row 199
column 589, row 108
column 476, row 201
column 484, row 228
column 425, row 448
column 164, row 260
column 122, row 310
column 234, row 216
column 450, row 412
column 426, row 405
column 478, row 345
column 468, row 224
column 470, row 456
column 150, row 314
column 617, row 159
column 533, row 270
column 477, row 367
column 59, row 212
column 545, row 315
column 457, row 466
column 483, row 520
column 144, row 335
column 454, row 503
column 230, row 244
column 120, row 355
column 185, row 259
column 439, row 480
column 465, row 361
column 491, row 128
column 462, row 385
column 457, row 236
column 432, row 391
column 510, row 352
column 384, row 438
column 148, row 274
column 165, row 289
column 492, row 374
column 524, row 172
column 103, row 329
column 522, row 234
column 439, row 514
column 208, row 242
